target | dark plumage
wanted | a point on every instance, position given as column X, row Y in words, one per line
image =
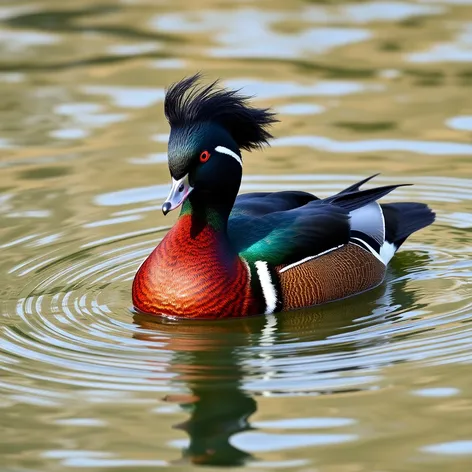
column 352, row 200
column 187, row 104
column 404, row 218
column 283, row 227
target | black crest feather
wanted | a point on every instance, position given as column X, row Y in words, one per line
column 187, row 103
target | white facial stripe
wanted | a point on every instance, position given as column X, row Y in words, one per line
column 227, row 151
column 268, row 289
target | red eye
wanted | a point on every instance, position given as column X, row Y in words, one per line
column 204, row 156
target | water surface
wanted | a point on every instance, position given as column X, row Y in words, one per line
column 380, row 382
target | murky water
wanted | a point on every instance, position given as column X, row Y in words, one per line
column 381, row 382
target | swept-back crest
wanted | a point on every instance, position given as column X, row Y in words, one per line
column 187, row 103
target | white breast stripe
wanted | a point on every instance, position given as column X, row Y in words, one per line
column 268, row 289
column 309, row 258
column 371, row 249
column 224, row 150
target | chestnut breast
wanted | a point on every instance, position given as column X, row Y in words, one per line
column 194, row 274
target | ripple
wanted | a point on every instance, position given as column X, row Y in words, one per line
column 69, row 333
column 437, row 392
column 461, row 123
column 72, row 319
column 69, row 133
column 323, row 143
column 301, row 109
column 128, row 97
column 270, row 90
column 263, row 442
column 450, row 448
column 456, row 51
column 19, row 40
column 86, row 382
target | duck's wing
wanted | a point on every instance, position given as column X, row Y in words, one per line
column 283, row 237
column 262, row 203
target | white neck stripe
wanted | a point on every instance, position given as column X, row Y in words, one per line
column 227, row 151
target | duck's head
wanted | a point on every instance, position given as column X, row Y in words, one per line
column 209, row 127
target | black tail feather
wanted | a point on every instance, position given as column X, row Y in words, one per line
column 355, row 187
column 403, row 219
column 353, row 200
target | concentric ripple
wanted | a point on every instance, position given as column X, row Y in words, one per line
column 73, row 346
column 72, row 322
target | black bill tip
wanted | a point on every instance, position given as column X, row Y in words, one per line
column 166, row 207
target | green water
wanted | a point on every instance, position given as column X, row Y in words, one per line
column 378, row 383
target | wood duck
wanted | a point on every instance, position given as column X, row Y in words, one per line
column 231, row 256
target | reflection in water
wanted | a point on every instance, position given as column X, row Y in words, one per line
column 215, row 415
column 207, row 364
column 210, row 366
column 378, row 381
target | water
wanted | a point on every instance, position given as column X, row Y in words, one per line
column 376, row 383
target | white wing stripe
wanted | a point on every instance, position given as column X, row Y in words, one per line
column 309, row 258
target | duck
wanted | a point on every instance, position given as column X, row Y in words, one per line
column 231, row 255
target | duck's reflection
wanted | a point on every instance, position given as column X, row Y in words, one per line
column 208, row 361
column 211, row 358
column 216, row 414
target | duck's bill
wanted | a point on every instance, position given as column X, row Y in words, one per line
column 178, row 193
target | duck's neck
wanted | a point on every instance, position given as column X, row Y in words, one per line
column 208, row 214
